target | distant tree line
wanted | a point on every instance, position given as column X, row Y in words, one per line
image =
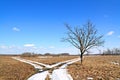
column 29, row 54
column 32, row 54
column 59, row 54
column 114, row 51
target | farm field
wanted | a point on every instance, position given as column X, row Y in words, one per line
column 96, row 67
column 11, row 69
column 60, row 40
column 50, row 59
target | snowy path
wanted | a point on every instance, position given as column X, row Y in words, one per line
column 39, row 76
column 61, row 74
column 28, row 62
column 57, row 74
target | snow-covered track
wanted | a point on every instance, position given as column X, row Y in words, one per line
column 57, row 74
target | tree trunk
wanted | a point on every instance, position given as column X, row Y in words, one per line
column 81, row 57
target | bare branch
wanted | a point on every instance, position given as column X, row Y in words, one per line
column 83, row 38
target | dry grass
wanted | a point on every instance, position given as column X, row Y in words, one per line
column 97, row 67
column 11, row 69
column 14, row 70
column 50, row 59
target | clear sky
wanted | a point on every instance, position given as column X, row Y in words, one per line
column 38, row 25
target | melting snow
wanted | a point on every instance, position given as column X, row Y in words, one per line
column 61, row 74
column 116, row 63
column 58, row 74
column 39, row 76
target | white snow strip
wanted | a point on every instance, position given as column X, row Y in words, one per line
column 61, row 74
column 25, row 61
column 48, row 66
column 31, row 62
column 39, row 76
column 63, row 62
column 68, row 63
column 58, row 74
column 75, row 60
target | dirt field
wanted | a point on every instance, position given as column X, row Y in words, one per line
column 97, row 67
column 50, row 59
column 14, row 70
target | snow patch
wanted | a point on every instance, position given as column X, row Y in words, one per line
column 58, row 74
column 28, row 62
column 39, row 76
column 89, row 78
column 61, row 74
column 115, row 63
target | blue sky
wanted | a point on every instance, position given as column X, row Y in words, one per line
column 38, row 25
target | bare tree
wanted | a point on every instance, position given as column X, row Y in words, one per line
column 114, row 51
column 83, row 38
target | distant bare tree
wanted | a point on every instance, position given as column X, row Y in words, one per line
column 83, row 38
column 114, row 51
